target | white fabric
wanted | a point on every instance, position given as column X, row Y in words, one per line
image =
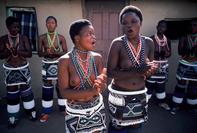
column 127, row 92
column 149, row 96
column 47, row 104
column 192, row 101
column 29, row 105
column 119, row 101
column 13, row 108
column 16, row 68
column 161, row 95
column 61, row 102
column 177, row 100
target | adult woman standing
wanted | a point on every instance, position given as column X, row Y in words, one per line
column 129, row 63
column 51, row 46
column 81, row 79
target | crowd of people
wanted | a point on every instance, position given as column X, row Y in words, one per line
column 137, row 65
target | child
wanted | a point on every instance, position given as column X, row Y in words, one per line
column 51, row 46
column 15, row 48
column 161, row 54
column 187, row 71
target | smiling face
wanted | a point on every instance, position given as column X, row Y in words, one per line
column 131, row 24
column 51, row 25
column 14, row 28
column 86, row 39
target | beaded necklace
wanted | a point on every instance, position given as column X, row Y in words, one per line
column 13, row 44
column 136, row 56
column 192, row 43
column 84, row 72
column 51, row 42
column 161, row 42
column 194, row 35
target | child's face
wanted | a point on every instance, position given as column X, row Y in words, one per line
column 131, row 24
column 161, row 28
column 87, row 39
column 51, row 25
column 14, row 28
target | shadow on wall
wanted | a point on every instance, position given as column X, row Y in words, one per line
column 173, row 63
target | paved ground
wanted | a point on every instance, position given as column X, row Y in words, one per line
column 160, row 121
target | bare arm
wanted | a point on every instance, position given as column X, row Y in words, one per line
column 41, row 52
column 168, row 51
column 182, row 47
column 150, row 58
column 26, row 51
column 100, row 82
column 4, row 52
column 151, row 48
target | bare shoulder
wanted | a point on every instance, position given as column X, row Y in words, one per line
column 61, row 36
column 96, row 55
column 117, row 41
column 64, row 58
column 148, row 41
column 42, row 36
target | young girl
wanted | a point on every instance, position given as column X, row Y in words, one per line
column 187, row 71
column 81, row 79
column 161, row 54
column 51, row 46
column 15, row 49
column 129, row 63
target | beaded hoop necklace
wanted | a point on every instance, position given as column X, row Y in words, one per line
column 51, row 42
column 191, row 43
column 136, row 56
column 84, row 72
column 13, row 44
column 161, row 42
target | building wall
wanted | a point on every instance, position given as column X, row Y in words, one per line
column 153, row 11
column 65, row 11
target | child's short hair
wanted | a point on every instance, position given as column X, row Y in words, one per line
column 130, row 8
column 51, row 17
column 77, row 26
column 10, row 20
column 161, row 21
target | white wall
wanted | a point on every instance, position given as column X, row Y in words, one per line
column 155, row 10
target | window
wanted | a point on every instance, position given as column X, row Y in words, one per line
column 177, row 27
column 28, row 18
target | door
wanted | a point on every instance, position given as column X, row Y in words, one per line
column 104, row 15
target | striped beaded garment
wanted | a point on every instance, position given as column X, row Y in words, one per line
column 136, row 56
